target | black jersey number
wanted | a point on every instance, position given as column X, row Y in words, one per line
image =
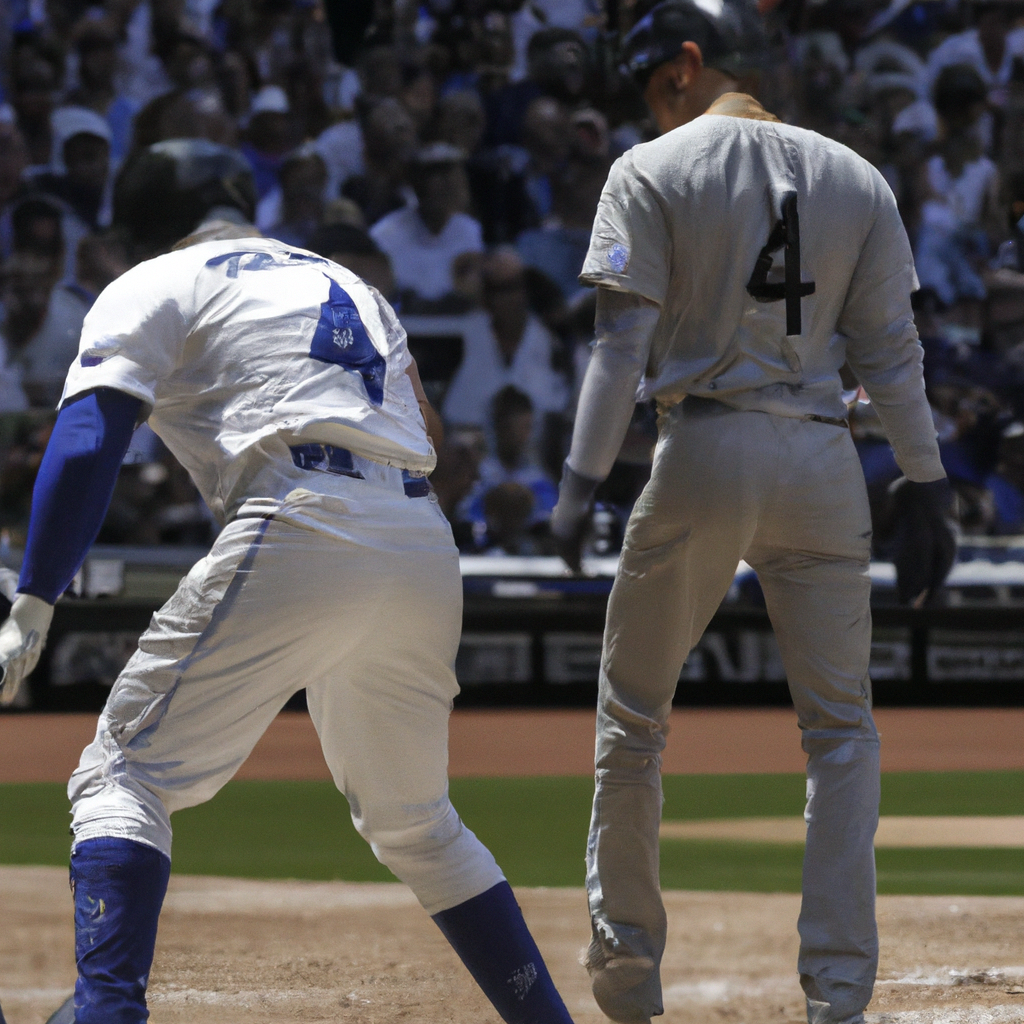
column 785, row 233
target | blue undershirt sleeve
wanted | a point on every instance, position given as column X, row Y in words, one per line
column 74, row 487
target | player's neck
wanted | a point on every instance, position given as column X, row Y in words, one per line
column 678, row 108
column 740, row 104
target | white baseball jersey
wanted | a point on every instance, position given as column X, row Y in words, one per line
column 242, row 347
column 696, row 221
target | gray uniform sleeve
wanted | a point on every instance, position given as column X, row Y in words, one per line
column 625, row 324
column 882, row 344
column 630, row 246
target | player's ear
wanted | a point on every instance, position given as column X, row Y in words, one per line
column 686, row 66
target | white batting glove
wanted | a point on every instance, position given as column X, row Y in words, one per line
column 22, row 638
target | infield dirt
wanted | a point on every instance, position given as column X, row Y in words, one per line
column 245, row 952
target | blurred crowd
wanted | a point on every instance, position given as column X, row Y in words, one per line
column 452, row 153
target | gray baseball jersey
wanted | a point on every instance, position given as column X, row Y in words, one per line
column 692, row 220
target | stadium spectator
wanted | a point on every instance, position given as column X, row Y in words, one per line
column 36, row 77
column 458, row 466
column 27, row 282
column 419, row 95
column 505, row 344
column 547, row 137
column 424, row 242
column 460, row 120
column 37, row 228
column 559, row 246
column 96, row 48
column 295, row 209
column 341, row 145
column 389, row 139
column 140, row 73
column 1006, row 484
column 268, row 137
column 960, row 206
column 508, row 509
column 558, row 68
column 81, row 169
column 100, row 259
column 990, row 47
column 511, row 460
column 512, row 186
column 13, row 161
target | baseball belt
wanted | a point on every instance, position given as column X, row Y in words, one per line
column 328, row 458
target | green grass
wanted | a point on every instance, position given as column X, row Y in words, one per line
column 537, row 830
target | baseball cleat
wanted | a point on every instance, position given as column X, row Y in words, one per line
column 614, row 981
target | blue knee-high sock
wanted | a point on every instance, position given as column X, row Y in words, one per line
column 492, row 940
column 119, row 887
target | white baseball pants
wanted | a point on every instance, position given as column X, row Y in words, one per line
column 789, row 497
column 353, row 594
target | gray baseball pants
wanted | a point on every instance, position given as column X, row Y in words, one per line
column 788, row 496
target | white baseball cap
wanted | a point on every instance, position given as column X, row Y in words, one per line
column 270, row 99
column 67, row 122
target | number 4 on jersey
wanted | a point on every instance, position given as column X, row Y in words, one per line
column 785, row 233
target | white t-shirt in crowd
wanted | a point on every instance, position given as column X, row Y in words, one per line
column 341, row 147
column 483, row 372
column 959, row 202
column 243, row 347
column 52, row 350
column 422, row 262
column 965, row 48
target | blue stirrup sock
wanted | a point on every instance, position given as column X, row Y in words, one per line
column 118, row 887
column 492, row 940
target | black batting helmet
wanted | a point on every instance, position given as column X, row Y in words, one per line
column 164, row 191
column 728, row 32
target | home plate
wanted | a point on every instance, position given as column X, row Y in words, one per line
column 909, row 831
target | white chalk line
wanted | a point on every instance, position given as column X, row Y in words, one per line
column 726, row 989
column 174, row 995
column 969, row 1015
column 35, row 995
column 957, row 977
column 894, row 831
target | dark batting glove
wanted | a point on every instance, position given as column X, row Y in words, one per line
column 569, row 519
column 925, row 539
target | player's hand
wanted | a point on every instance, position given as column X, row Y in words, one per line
column 569, row 519
column 925, row 548
column 22, row 638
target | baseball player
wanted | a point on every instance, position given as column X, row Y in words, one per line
column 740, row 262
column 284, row 385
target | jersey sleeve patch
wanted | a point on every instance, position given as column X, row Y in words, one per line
column 618, row 257
column 341, row 338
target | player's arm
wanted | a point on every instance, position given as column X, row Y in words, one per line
column 885, row 354
column 72, row 493
column 432, row 421
column 624, row 326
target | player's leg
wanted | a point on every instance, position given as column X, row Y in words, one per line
column 687, row 533
column 382, row 715
column 812, row 556
column 216, row 664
